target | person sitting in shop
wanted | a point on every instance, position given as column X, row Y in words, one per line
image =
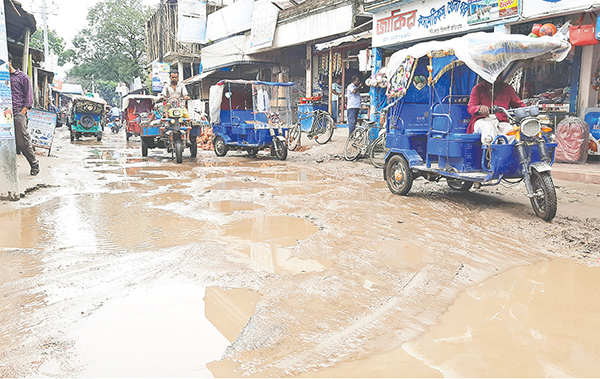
column 484, row 123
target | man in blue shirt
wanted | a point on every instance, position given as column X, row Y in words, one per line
column 353, row 102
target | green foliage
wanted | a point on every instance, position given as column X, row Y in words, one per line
column 55, row 44
column 112, row 47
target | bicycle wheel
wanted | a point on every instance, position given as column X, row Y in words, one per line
column 378, row 151
column 324, row 128
column 294, row 137
column 354, row 145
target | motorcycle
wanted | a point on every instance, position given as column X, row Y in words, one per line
column 115, row 125
column 173, row 131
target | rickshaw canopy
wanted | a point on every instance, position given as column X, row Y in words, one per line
column 486, row 54
column 130, row 98
column 216, row 94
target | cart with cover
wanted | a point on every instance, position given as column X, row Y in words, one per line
column 250, row 116
column 137, row 111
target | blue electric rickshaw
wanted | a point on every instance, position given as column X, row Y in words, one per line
column 250, row 116
column 427, row 117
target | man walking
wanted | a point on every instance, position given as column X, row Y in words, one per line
column 353, row 102
column 22, row 97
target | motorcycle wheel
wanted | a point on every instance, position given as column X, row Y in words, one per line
column 193, row 147
column 294, row 137
column 399, row 176
column 219, row 146
column 179, row 151
column 281, row 149
column 459, row 185
column 144, row 148
column 544, row 202
column 99, row 136
column 354, row 144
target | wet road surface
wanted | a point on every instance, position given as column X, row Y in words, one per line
column 138, row 267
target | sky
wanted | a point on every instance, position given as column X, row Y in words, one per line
column 69, row 16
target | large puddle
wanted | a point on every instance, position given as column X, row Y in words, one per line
column 533, row 321
column 161, row 332
column 269, row 240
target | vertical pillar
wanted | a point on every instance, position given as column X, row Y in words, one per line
column 374, row 92
column 309, row 88
column 576, row 71
column 330, row 79
column 9, row 179
column 36, row 89
column 26, row 51
column 180, row 69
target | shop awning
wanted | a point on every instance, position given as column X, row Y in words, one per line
column 199, row 77
column 347, row 39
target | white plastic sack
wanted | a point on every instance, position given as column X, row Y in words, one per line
column 214, row 103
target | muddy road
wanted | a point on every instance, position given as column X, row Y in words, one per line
column 230, row 267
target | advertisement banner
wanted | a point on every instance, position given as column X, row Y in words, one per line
column 264, row 22
column 41, row 126
column 160, row 75
column 191, row 17
column 537, row 8
column 230, row 20
column 415, row 21
column 9, row 184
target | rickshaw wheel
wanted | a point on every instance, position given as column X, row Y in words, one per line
column 544, row 201
column 294, row 137
column 399, row 176
column 253, row 152
column 72, row 135
column 325, row 129
column 193, row 147
column 281, row 149
column 179, row 151
column 354, row 144
column 99, row 136
column 220, row 147
column 127, row 135
column 459, row 185
column 144, row 148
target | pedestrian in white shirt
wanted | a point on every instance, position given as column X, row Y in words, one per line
column 353, row 102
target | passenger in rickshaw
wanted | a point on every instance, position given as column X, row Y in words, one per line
column 490, row 126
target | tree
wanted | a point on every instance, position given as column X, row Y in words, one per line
column 55, row 44
column 112, row 47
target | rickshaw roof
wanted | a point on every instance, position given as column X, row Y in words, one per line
column 255, row 82
column 127, row 98
column 487, row 54
column 92, row 99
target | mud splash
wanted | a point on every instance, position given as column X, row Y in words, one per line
column 160, row 332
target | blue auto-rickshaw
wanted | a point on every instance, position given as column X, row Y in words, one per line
column 250, row 116
column 86, row 117
column 427, row 117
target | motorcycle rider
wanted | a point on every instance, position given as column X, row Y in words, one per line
column 175, row 90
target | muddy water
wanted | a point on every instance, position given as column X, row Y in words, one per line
column 230, row 309
column 158, row 332
column 533, row 321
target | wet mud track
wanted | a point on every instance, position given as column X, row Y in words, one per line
column 255, row 267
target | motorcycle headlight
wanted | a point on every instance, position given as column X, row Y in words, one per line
column 530, row 127
column 176, row 113
column 87, row 121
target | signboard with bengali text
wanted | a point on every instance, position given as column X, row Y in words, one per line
column 160, row 75
column 416, row 21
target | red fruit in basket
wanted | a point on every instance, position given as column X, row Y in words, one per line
column 547, row 30
column 536, row 29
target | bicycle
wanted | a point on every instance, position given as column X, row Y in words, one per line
column 321, row 129
column 358, row 144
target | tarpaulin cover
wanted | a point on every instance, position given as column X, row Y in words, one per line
column 573, row 139
column 214, row 103
column 488, row 54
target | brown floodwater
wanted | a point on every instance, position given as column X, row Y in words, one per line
column 530, row 321
column 157, row 332
column 229, row 206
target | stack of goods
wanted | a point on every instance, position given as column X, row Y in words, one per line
column 573, row 139
column 205, row 138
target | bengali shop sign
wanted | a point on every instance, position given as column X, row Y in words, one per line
column 439, row 17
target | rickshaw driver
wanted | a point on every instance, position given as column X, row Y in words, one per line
column 175, row 90
column 479, row 105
